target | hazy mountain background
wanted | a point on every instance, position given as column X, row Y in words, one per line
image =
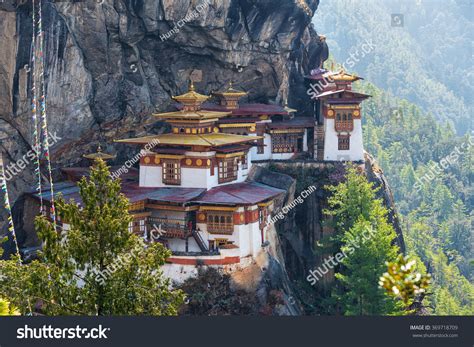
column 423, row 50
column 420, row 74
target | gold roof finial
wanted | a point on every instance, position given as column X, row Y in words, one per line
column 191, row 100
column 288, row 109
column 230, row 97
column 99, row 155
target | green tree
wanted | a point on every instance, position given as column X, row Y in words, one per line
column 362, row 268
column 367, row 243
column 6, row 309
column 97, row 267
column 350, row 200
column 403, row 282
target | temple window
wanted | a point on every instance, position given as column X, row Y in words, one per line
column 220, row 222
column 344, row 122
column 344, row 142
column 228, row 169
column 284, row 143
column 171, row 172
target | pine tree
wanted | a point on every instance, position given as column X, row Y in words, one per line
column 97, row 267
column 350, row 200
column 367, row 244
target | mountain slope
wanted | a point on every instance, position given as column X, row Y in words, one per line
column 427, row 60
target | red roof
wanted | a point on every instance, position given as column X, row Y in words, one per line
column 174, row 195
column 248, row 193
column 132, row 191
column 355, row 95
column 297, row 122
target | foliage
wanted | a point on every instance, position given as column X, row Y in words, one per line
column 96, row 267
column 6, row 309
column 350, row 200
column 367, row 243
column 402, row 282
column 435, row 201
column 410, row 62
column 210, row 294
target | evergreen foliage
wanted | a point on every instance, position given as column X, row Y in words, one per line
column 97, row 267
column 430, row 171
column 367, row 243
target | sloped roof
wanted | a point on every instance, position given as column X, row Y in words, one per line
column 334, row 92
column 214, row 139
column 131, row 190
column 297, row 122
column 247, row 193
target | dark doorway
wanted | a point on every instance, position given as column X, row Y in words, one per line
column 300, row 145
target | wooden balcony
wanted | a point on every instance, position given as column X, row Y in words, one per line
column 169, row 228
column 220, row 228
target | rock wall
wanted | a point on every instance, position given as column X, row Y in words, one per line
column 109, row 63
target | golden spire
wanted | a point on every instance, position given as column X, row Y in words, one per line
column 191, row 100
column 99, row 155
column 342, row 75
column 289, row 110
column 230, row 97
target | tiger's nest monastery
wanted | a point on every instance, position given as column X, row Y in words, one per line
column 192, row 187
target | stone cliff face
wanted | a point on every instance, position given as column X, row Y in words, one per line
column 110, row 63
